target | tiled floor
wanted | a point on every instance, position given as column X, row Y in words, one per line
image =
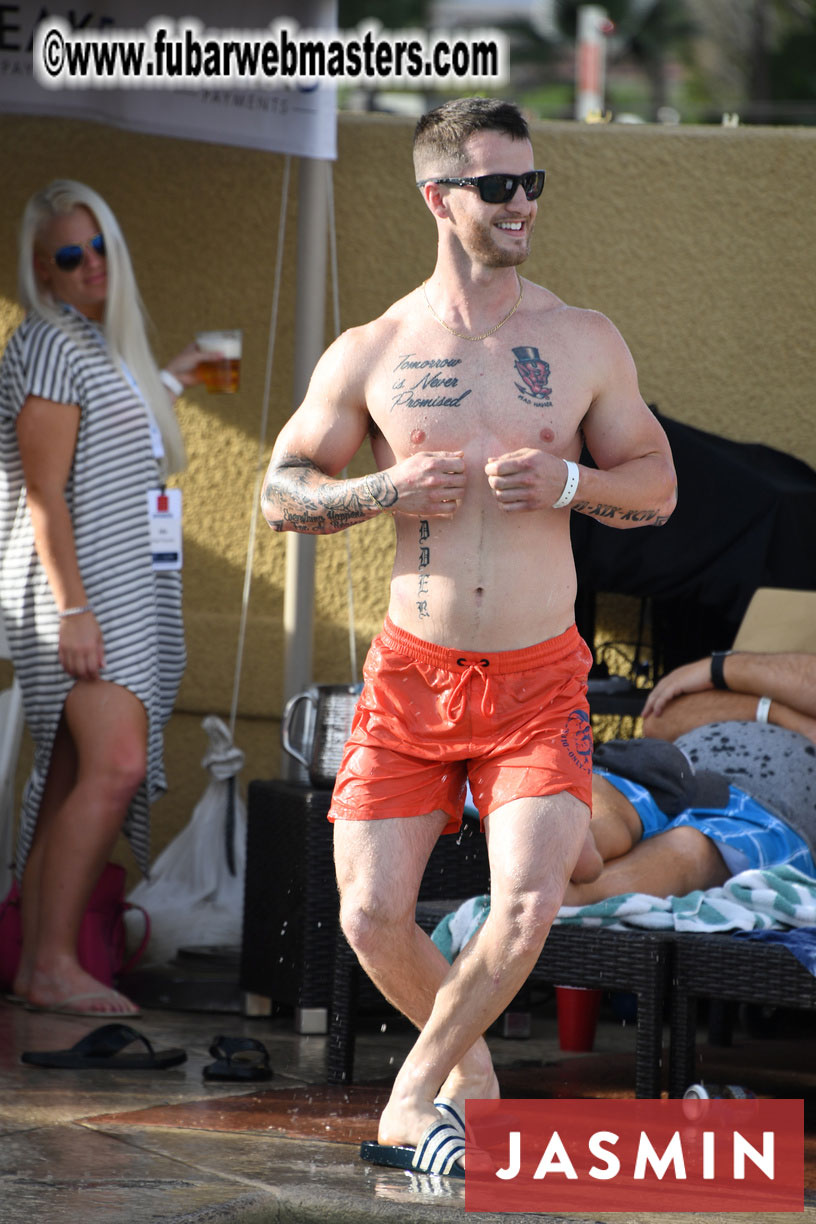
column 107, row 1147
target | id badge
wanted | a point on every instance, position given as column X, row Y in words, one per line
column 164, row 513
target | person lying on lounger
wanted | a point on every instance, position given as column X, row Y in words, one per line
column 670, row 818
column 778, row 688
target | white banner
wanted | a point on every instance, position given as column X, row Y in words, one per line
column 300, row 120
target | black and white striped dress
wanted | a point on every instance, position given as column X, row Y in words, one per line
column 138, row 609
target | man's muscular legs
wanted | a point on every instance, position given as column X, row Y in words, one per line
column 532, row 845
column 379, row 866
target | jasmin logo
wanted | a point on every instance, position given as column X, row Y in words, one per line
column 635, row 1155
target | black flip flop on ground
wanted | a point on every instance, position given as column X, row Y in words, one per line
column 103, row 1047
column 239, row 1059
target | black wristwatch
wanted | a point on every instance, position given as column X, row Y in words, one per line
column 717, row 661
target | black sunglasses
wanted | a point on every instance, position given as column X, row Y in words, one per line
column 498, row 188
column 67, row 258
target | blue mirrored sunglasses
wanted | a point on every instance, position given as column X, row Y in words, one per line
column 498, row 188
column 68, row 258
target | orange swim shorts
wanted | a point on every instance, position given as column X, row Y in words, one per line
column 514, row 723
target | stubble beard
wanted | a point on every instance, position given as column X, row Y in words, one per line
column 485, row 247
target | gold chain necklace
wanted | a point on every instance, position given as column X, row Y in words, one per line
column 484, row 335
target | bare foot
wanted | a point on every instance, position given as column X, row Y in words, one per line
column 405, row 1122
column 405, row 1118
column 71, row 987
column 20, row 985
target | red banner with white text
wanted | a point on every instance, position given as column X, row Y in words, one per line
column 635, row 1155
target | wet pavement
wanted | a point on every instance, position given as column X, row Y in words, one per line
column 115, row 1147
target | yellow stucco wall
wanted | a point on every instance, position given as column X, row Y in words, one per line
column 700, row 243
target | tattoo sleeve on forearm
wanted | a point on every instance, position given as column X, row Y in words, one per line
column 381, row 489
column 299, row 496
column 602, row 511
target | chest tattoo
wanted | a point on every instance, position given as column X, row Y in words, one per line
column 534, row 372
column 427, row 382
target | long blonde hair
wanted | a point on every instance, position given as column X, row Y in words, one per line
column 124, row 319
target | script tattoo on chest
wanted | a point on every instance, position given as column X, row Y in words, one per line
column 427, row 382
column 424, row 568
column 534, row 372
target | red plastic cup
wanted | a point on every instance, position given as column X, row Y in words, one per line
column 577, row 1008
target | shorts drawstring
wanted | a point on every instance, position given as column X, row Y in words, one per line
column 458, row 694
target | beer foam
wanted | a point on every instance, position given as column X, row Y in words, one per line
column 227, row 343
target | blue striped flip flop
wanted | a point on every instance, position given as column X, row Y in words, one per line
column 439, row 1151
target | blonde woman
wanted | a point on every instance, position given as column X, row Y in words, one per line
column 87, row 435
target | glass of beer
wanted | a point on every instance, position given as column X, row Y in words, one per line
column 220, row 363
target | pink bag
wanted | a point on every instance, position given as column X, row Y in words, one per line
column 102, row 935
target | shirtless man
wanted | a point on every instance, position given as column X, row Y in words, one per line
column 476, row 389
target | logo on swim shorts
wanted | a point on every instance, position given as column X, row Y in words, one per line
column 577, row 739
column 534, row 370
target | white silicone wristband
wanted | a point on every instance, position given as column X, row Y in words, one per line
column 570, row 488
column 763, row 709
column 171, row 382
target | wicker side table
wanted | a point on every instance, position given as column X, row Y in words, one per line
column 722, row 967
column 290, row 900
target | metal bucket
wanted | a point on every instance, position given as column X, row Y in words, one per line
column 315, row 727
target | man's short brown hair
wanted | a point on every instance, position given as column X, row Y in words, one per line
column 441, row 134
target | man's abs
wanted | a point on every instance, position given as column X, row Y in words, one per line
column 485, row 579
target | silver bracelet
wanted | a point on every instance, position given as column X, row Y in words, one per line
column 75, row 611
column 173, row 385
column 763, row 709
column 570, row 488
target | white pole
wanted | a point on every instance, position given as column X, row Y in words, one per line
column 310, row 338
column 590, row 61
column 298, row 603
